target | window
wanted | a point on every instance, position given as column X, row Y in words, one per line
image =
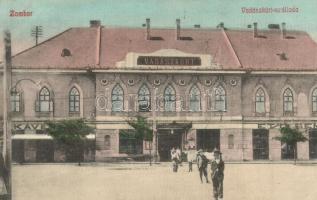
column 15, row 101
column 74, row 100
column 230, row 141
column 314, row 100
column 45, row 103
column 220, row 101
column 182, row 103
column 169, row 98
column 194, row 99
column 144, row 99
column 128, row 143
column 288, row 100
column 66, row 52
column 117, row 99
column 260, row 101
column 107, row 142
column 209, row 99
column 260, row 144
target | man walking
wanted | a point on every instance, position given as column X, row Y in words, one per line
column 202, row 163
column 217, row 174
column 191, row 156
column 174, row 159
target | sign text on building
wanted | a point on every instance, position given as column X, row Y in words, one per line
column 166, row 60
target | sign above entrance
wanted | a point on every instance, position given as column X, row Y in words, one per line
column 167, row 59
column 164, row 60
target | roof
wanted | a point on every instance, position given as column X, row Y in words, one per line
column 101, row 48
column 264, row 53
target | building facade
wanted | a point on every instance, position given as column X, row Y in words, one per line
column 199, row 88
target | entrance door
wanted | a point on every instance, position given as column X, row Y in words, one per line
column 313, row 144
column 260, row 144
column 168, row 139
column 208, row 139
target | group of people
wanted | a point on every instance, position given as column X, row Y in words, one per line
column 217, row 166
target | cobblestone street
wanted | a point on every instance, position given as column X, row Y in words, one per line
column 142, row 182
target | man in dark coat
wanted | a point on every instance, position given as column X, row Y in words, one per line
column 217, row 174
column 202, row 163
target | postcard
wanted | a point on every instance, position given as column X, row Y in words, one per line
column 158, row 99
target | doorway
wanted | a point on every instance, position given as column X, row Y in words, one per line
column 208, row 139
column 167, row 139
column 260, row 139
column 313, row 144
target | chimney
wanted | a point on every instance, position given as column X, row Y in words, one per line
column 221, row 25
column 178, row 29
column 283, row 31
column 95, row 23
column 148, row 35
column 255, row 29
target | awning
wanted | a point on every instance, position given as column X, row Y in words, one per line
column 40, row 137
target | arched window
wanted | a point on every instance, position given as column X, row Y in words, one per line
column 45, row 100
column 288, row 100
column 260, row 101
column 314, row 100
column 169, row 98
column 220, row 99
column 74, row 100
column 144, row 99
column 117, row 99
column 194, row 99
column 15, row 101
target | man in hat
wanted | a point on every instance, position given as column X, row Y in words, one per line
column 202, row 163
column 217, row 174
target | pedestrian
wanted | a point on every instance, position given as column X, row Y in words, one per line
column 217, row 174
column 179, row 156
column 191, row 155
column 174, row 159
column 202, row 163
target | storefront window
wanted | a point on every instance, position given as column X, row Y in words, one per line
column 128, row 143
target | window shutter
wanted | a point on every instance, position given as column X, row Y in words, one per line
column 51, row 106
column 37, row 106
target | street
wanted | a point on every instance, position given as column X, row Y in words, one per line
column 158, row 182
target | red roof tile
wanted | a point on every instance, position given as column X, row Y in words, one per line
column 264, row 53
column 230, row 48
column 81, row 42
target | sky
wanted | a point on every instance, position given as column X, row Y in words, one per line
column 56, row 16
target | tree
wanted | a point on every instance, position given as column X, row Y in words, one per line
column 142, row 130
column 291, row 136
column 71, row 134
